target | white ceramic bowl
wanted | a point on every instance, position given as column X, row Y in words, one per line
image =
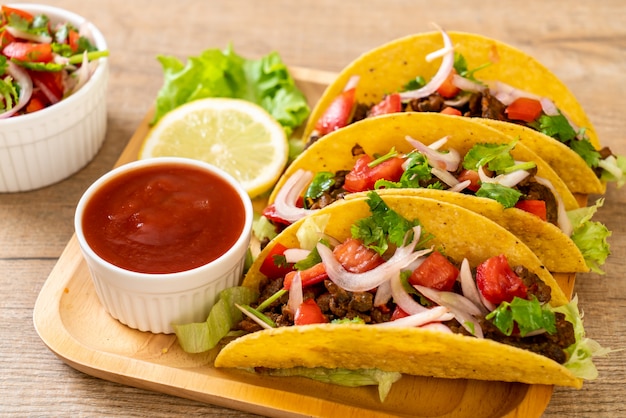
column 152, row 302
column 47, row 146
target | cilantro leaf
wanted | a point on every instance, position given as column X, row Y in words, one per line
column 529, row 315
column 384, row 226
column 322, row 182
column 497, row 157
column 416, row 175
column 556, row 126
column 587, row 152
column 504, row 195
column 416, row 83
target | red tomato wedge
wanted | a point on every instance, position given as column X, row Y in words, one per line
column 363, row 177
column 449, row 110
column 473, row 177
column 524, row 109
column 338, row 114
column 356, row 257
column 436, row 272
column 310, row 276
column 448, row 90
column 28, row 52
column 8, row 11
column 309, row 313
column 50, row 80
column 5, row 39
column 274, row 266
column 536, row 207
column 390, row 104
column 497, row 282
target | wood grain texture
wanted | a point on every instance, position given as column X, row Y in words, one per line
column 583, row 42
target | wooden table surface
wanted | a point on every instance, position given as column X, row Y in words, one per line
column 583, row 42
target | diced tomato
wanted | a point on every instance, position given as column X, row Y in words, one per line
column 390, row 104
column 449, row 110
column 5, row 39
column 363, row 177
column 356, row 257
column 274, row 265
column 28, row 51
column 436, row 272
column 524, row 109
column 7, row 11
column 536, row 207
column 72, row 40
column 473, row 177
column 448, row 90
column 37, row 102
column 497, row 282
column 338, row 113
column 310, row 276
column 309, row 312
column 398, row 313
column 51, row 80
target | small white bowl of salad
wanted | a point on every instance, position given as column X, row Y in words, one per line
column 53, row 79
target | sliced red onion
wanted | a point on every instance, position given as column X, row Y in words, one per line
column 437, row 326
column 285, row 203
column 253, row 317
column 563, row 220
column 402, row 298
column 507, row 94
column 508, row 180
column 448, row 161
column 461, row 307
column 438, row 313
column 439, row 143
column 548, row 107
column 22, row 78
column 468, row 286
column 352, row 82
column 466, row 84
column 460, row 186
column 82, row 75
column 447, row 63
column 53, row 98
column 17, row 33
column 383, row 294
column 293, row 255
column 295, row 293
column 444, row 176
column 363, row 282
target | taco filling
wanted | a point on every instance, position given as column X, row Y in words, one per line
column 455, row 90
column 388, row 274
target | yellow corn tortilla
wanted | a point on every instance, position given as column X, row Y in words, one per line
column 460, row 233
column 333, row 152
column 389, row 67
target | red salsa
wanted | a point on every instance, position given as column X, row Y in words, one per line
column 163, row 219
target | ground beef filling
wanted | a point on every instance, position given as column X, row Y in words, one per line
column 337, row 303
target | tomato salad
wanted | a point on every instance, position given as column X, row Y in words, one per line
column 41, row 63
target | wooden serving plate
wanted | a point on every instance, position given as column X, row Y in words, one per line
column 71, row 321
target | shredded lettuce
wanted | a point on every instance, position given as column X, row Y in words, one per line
column 344, row 377
column 311, row 230
column 614, row 169
column 529, row 315
column 263, row 228
column 199, row 337
column 590, row 237
column 216, row 73
column 581, row 353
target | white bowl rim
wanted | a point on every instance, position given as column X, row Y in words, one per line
column 99, row 40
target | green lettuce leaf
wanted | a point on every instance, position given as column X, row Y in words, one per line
column 216, row 73
column 614, row 169
column 590, row 237
column 343, row 377
column 529, row 315
column 199, row 337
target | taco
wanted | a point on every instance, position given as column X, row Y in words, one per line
column 530, row 199
column 362, row 295
column 477, row 77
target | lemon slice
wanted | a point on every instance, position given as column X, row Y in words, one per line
column 235, row 135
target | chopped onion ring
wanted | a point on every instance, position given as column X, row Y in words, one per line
column 438, row 313
column 563, row 220
column 293, row 255
column 285, row 203
column 461, row 307
column 507, row 94
column 362, row 282
column 22, row 78
column 437, row 326
column 402, row 298
column 383, row 294
column 448, row 161
column 460, row 186
column 444, row 176
column 447, row 63
column 295, row 293
column 508, row 180
column 468, row 286
column 466, row 84
column 17, row 33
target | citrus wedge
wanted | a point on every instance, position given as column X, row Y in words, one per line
column 235, row 135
